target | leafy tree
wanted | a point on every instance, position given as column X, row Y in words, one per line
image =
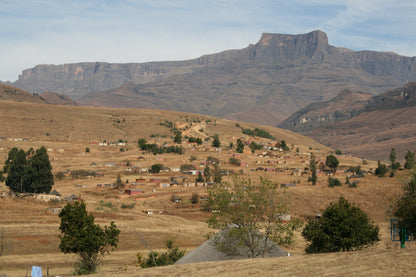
column 235, row 161
column 207, row 174
column 405, row 206
column 28, row 172
column 16, row 169
column 161, row 259
column 312, row 165
column 217, row 174
column 142, row 144
column 381, row 169
column 119, row 184
column 357, row 170
column 342, row 227
column 216, row 141
column 332, row 162
column 240, row 146
column 195, row 198
column 254, row 210
column 393, row 157
column 41, row 177
column 81, row 236
column 156, row 168
column 178, row 138
column 87, row 150
column 409, row 160
column 283, row 145
column 333, row 182
column 199, row 178
column 338, row 152
column 254, row 146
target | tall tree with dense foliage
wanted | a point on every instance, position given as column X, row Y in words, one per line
column 332, row 162
column 342, row 227
column 240, row 146
column 216, row 141
column 80, row 235
column 28, row 171
column 40, row 172
column 393, row 159
column 405, row 206
column 409, row 160
column 254, row 211
column 312, row 166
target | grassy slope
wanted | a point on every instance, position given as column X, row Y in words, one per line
column 31, row 233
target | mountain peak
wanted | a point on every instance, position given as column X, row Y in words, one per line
column 283, row 40
column 273, row 48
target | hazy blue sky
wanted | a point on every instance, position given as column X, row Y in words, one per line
column 58, row 32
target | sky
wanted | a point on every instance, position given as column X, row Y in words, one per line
column 57, row 32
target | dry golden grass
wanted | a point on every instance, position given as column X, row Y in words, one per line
column 31, row 232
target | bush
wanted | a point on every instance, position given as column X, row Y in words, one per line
column 333, row 182
column 128, row 206
column 381, row 169
column 195, row 198
column 342, row 227
column 161, row 259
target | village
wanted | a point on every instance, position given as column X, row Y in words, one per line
column 288, row 166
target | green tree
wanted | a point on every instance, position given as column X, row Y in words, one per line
column 195, row 198
column 405, row 206
column 199, row 179
column 40, row 172
column 332, row 162
column 178, row 138
column 81, row 236
column 342, row 227
column 142, row 144
column 334, row 182
column 338, row 152
column 16, row 169
column 207, row 174
column 312, row 165
column 156, row 168
column 216, row 141
column 119, row 184
column 393, row 157
column 240, row 146
column 254, row 211
column 161, row 259
column 381, row 169
column 409, row 160
column 283, row 145
column 217, row 174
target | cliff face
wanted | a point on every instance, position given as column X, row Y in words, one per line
column 263, row 83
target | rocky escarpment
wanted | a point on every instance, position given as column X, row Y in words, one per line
column 263, row 83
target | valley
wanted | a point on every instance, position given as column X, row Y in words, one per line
column 105, row 141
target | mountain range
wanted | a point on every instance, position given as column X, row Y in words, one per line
column 263, row 83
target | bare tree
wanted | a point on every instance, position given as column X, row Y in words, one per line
column 144, row 242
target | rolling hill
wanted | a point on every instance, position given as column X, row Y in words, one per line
column 362, row 125
column 31, row 230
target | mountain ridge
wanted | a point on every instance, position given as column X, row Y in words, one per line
column 363, row 127
column 263, row 83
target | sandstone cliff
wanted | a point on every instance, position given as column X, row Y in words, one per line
column 263, row 83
